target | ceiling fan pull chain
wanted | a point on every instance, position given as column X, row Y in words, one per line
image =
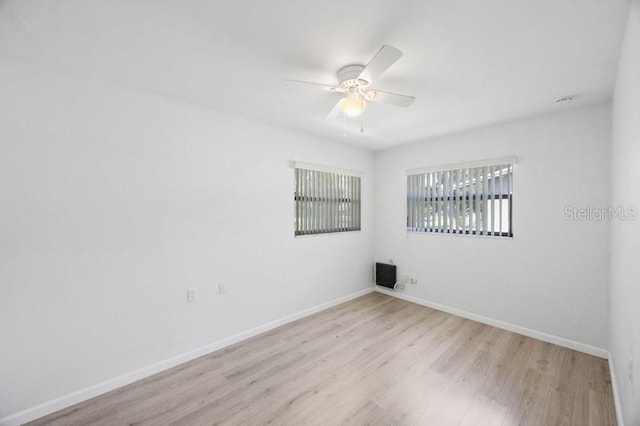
column 361, row 109
column 344, row 125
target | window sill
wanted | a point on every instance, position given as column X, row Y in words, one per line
column 324, row 234
column 444, row 234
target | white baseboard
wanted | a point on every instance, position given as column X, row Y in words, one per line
column 125, row 379
column 560, row 341
column 616, row 394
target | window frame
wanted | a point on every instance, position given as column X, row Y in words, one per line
column 452, row 198
column 336, row 192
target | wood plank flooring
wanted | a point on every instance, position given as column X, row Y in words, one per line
column 376, row 360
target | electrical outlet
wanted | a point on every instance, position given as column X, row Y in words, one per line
column 222, row 288
column 192, row 294
column 414, row 281
column 630, row 369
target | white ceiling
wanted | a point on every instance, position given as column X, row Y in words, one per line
column 469, row 63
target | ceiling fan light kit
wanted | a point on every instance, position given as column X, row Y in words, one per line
column 354, row 82
column 354, row 104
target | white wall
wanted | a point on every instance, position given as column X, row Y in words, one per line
column 113, row 202
column 552, row 277
column 625, row 236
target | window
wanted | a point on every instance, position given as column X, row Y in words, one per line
column 326, row 200
column 473, row 200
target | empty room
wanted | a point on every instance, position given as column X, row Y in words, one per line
column 356, row 212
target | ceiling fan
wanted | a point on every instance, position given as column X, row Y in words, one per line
column 355, row 82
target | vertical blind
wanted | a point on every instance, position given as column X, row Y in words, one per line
column 326, row 202
column 472, row 200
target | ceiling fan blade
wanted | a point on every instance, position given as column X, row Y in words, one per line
column 390, row 98
column 386, row 56
column 336, row 110
column 309, row 84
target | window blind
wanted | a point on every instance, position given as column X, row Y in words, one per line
column 326, row 202
column 472, row 200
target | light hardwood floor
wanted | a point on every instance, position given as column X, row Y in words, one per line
column 376, row 360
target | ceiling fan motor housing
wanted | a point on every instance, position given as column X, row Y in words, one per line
column 348, row 77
